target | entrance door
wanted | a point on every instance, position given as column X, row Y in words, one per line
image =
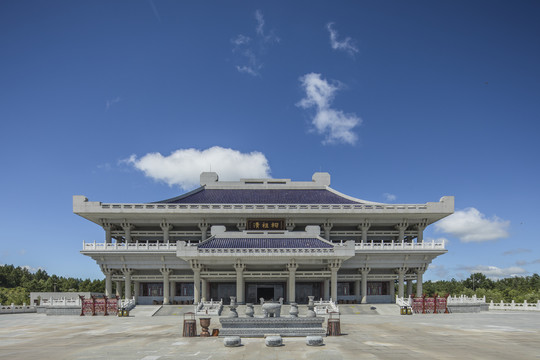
column 265, row 292
column 272, row 291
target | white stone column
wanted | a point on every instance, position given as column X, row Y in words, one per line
column 204, row 289
column 108, row 282
column 119, row 289
column 401, row 227
column 334, row 267
column 364, row 271
column 292, row 266
column 127, row 231
column 173, row 291
column 203, row 226
column 196, row 267
column 401, row 276
column 108, row 228
column 409, row 288
column 127, row 283
column 166, row 285
column 165, row 227
column 392, row 286
column 136, row 291
column 327, row 226
column 239, row 267
column 419, row 274
column 364, row 227
column 326, row 289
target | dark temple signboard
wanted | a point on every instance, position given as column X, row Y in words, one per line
column 266, row 224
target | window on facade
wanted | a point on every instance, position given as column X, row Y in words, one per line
column 377, row 288
column 343, row 289
column 152, row 289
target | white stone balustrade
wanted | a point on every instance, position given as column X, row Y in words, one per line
column 324, row 307
column 61, row 302
column 513, row 306
column 403, row 301
column 136, row 246
column 400, row 245
column 209, row 307
column 127, row 304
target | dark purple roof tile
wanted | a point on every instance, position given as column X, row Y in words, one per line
column 264, row 243
column 259, row 196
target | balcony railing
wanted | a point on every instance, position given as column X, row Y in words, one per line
column 171, row 247
column 136, row 246
column 400, row 245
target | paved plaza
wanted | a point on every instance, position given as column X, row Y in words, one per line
column 488, row 335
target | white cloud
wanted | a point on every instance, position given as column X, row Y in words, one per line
column 110, row 103
column 346, row 45
column 439, row 270
column 31, row 269
column 470, row 225
column 183, row 167
column 250, row 51
column 260, row 22
column 495, row 272
column 389, row 197
column 516, row 251
column 334, row 124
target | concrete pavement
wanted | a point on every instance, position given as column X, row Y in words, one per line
column 488, row 335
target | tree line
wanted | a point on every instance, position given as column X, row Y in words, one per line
column 16, row 283
column 519, row 288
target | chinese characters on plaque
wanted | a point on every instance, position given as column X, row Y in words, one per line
column 272, row 224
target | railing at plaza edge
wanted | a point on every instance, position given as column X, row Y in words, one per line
column 524, row 306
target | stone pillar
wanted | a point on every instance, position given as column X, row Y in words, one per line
column 119, row 289
column 292, row 266
column 327, row 226
column 392, row 285
column 136, row 291
column 419, row 274
column 196, row 267
column 239, row 267
column 108, row 282
column 166, row 285
column 108, row 228
column 166, row 227
column 127, row 231
column 357, row 291
column 334, row 267
column 173, row 291
column 409, row 288
column 204, row 289
column 401, row 276
column 364, row 272
column 203, row 226
column 326, row 289
column 401, row 227
column 127, row 283
column 364, row 227
column 420, row 231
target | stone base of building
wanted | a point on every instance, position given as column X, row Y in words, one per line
column 283, row 326
column 63, row 310
column 467, row 308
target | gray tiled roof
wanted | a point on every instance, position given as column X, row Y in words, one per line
column 259, row 196
column 264, row 243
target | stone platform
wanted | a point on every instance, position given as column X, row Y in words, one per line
column 283, row 326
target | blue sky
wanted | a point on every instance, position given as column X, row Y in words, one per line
column 402, row 102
